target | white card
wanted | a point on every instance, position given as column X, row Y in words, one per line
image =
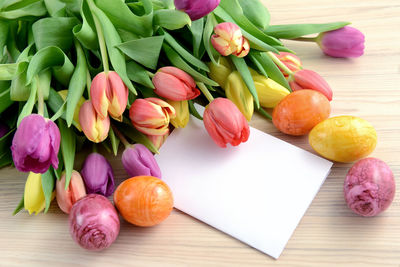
column 256, row 192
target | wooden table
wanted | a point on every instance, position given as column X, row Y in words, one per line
column 328, row 234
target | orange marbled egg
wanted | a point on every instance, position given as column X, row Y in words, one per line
column 144, row 200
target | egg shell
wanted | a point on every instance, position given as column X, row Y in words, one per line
column 343, row 138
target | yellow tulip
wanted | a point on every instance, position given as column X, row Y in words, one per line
column 237, row 91
column 220, row 73
column 269, row 92
column 182, row 113
column 34, row 200
column 63, row 94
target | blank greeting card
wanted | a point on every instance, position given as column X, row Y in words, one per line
column 256, row 192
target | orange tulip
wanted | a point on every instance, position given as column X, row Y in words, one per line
column 75, row 191
column 228, row 39
column 95, row 128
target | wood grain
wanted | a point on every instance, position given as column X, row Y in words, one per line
column 329, row 233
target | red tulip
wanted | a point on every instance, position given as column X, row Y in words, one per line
column 308, row 79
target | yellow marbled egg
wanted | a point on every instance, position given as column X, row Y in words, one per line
column 343, row 138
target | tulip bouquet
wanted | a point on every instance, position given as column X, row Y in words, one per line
column 111, row 72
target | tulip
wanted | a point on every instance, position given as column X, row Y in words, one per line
column 225, row 123
column 35, row 144
column 290, row 60
column 269, row 92
column 4, row 129
column 138, row 160
column 158, row 140
column 308, row 79
column 75, row 191
column 237, row 91
column 151, row 115
column 108, row 93
column 182, row 113
column 174, row 84
column 34, row 200
column 98, row 175
column 343, row 42
column 94, row 127
column 196, row 9
column 228, row 39
column 64, row 94
column 220, row 72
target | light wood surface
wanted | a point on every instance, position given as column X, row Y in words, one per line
column 329, row 233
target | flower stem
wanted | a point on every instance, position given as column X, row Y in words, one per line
column 305, row 39
column 40, row 98
column 150, row 74
column 120, row 136
column 205, row 91
column 279, row 63
column 94, row 148
column 100, row 36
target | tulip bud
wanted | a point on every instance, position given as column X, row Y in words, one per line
column 182, row 113
column 290, row 60
column 225, row 123
column 158, row 140
column 98, row 175
column 269, row 92
column 75, row 191
column 308, row 79
column 237, row 91
column 220, row 72
column 343, row 42
column 95, row 128
column 64, row 94
column 228, row 39
column 35, row 144
column 34, row 200
column 174, row 84
column 151, row 115
column 138, row 160
column 196, row 9
column 4, row 129
column 108, row 93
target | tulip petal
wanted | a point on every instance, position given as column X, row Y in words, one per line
column 98, row 94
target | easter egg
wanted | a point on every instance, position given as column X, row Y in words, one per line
column 144, row 200
column 343, row 138
column 300, row 111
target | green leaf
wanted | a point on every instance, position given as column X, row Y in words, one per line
column 28, row 107
column 43, row 82
column 138, row 74
column 59, row 112
column 8, row 71
column 21, row 9
column 197, row 33
column 19, row 89
column 193, row 110
column 59, row 170
column 208, row 30
column 56, row 102
column 256, row 13
column 86, row 32
column 55, row 8
column 5, row 159
column 265, row 114
column 136, row 136
column 48, row 187
column 54, row 57
column 54, row 32
column 243, row 69
column 5, row 141
column 112, row 40
column 5, row 100
column 292, row 31
column 258, row 65
column 77, row 84
column 4, row 27
column 184, row 53
column 121, row 16
column 114, row 141
column 20, row 206
column 178, row 62
column 171, row 19
column 144, row 51
column 68, row 147
column 270, row 68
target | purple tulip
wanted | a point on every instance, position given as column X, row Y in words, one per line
column 138, row 160
column 3, row 129
column 343, row 42
column 35, row 144
column 98, row 175
column 196, row 9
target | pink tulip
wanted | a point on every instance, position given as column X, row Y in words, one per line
column 151, row 115
column 228, row 39
column 109, row 94
column 290, row 60
column 93, row 126
column 75, row 191
column 158, row 140
column 175, row 84
column 343, row 42
column 308, row 79
column 225, row 123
